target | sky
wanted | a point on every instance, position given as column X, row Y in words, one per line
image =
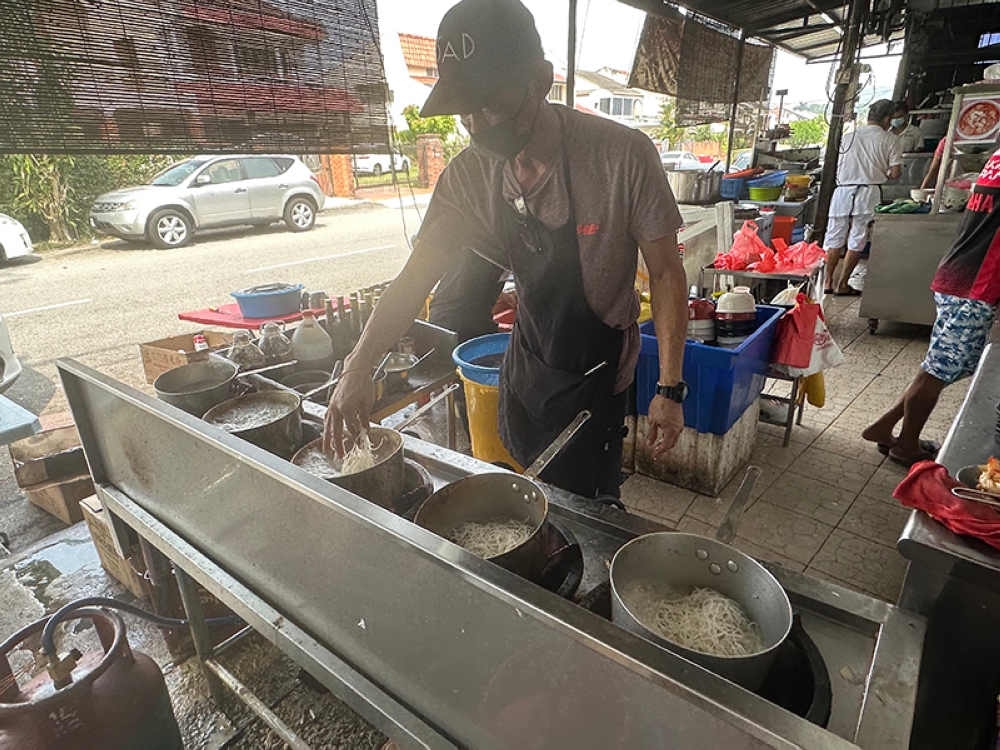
column 608, row 34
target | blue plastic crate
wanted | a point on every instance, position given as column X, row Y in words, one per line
column 733, row 188
column 769, row 180
column 724, row 382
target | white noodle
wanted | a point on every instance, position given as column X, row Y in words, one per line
column 360, row 457
column 704, row 621
column 491, row 539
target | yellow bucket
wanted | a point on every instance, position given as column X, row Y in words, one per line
column 483, row 405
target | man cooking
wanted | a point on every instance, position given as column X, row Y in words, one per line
column 562, row 199
column 869, row 157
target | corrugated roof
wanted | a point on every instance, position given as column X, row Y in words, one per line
column 418, row 51
column 809, row 28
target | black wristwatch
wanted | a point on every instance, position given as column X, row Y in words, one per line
column 678, row 393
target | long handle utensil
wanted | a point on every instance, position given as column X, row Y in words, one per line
column 427, row 407
column 727, row 531
column 557, row 445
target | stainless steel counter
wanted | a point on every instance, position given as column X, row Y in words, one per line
column 906, row 251
column 955, row 582
column 437, row 647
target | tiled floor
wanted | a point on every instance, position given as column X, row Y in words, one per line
column 824, row 504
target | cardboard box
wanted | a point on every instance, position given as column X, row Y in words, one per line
column 166, row 354
column 49, row 456
column 62, row 499
column 117, row 566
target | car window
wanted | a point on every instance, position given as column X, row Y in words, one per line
column 260, row 166
column 176, row 174
column 227, row 170
column 283, row 163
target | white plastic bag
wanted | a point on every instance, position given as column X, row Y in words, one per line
column 787, row 296
column 825, row 354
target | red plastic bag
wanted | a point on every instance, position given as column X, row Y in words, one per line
column 747, row 248
column 802, row 257
column 796, row 334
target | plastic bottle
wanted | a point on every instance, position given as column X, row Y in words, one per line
column 274, row 344
column 311, row 345
column 243, row 353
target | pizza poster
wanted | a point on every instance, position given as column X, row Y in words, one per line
column 978, row 121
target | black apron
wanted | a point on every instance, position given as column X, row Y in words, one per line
column 562, row 357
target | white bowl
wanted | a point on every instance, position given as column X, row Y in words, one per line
column 920, row 195
column 737, row 301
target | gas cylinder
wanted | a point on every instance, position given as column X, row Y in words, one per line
column 117, row 699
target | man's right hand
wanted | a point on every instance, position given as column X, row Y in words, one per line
column 351, row 405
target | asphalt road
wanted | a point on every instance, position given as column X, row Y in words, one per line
column 96, row 304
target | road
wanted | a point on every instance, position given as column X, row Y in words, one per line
column 98, row 303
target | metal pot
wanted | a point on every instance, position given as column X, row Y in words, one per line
column 500, row 496
column 693, row 186
column 199, row 386
column 672, row 562
column 303, row 382
column 281, row 435
column 384, row 484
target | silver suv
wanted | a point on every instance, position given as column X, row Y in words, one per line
column 212, row 191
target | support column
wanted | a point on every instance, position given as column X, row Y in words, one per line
column 430, row 159
column 571, row 57
column 736, row 98
column 852, row 41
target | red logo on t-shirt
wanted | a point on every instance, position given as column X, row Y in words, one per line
column 587, row 229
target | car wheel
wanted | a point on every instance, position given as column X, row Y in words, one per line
column 169, row 228
column 406, row 166
column 300, row 214
column 377, row 170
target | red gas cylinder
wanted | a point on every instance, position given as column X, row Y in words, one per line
column 116, row 701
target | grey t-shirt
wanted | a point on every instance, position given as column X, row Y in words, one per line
column 620, row 198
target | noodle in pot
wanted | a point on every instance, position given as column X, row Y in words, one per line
column 704, row 621
column 360, row 457
column 491, row 539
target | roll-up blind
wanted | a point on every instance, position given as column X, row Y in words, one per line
column 187, row 76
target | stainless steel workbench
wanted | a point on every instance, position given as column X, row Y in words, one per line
column 439, row 648
column 906, row 251
column 955, row 582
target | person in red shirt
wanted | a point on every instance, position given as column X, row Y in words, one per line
column 966, row 291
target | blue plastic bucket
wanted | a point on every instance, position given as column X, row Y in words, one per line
column 466, row 354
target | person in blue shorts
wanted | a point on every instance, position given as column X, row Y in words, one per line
column 966, row 291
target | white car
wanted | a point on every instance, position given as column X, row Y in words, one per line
column 378, row 164
column 678, row 160
column 10, row 368
column 14, row 239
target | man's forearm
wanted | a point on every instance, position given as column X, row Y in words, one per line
column 668, row 292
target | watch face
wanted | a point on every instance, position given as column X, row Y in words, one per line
column 683, row 389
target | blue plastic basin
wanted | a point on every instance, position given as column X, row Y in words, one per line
column 269, row 303
column 477, row 348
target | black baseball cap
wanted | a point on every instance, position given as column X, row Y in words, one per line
column 480, row 44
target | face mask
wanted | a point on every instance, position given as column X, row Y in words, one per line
column 898, row 122
column 501, row 142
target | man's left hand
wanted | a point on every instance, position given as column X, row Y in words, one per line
column 666, row 420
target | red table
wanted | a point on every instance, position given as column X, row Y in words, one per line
column 228, row 316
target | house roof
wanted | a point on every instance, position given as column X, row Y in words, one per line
column 418, row 51
column 600, row 81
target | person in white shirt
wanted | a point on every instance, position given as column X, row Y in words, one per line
column 910, row 136
column 869, row 157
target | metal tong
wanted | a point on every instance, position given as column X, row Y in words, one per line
column 977, row 496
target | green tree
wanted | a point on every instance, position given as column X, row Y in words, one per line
column 668, row 130
column 444, row 125
column 809, row 132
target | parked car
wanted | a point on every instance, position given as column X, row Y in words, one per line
column 14, row 239
column 742, row 159
column 10, row 368
column 378, row 164
column 676, row 160
column 212, row 191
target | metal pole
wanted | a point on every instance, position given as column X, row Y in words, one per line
column 571, row 57
column 199, row 633
column 852, row 41
column 736, row 98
